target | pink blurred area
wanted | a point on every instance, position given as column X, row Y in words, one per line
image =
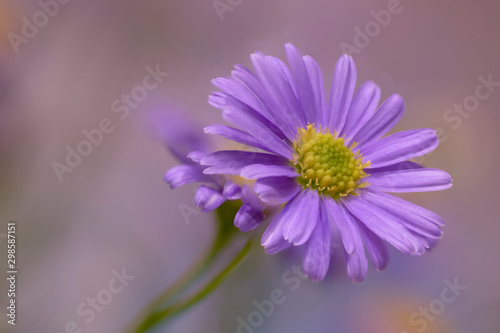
column 114, row 211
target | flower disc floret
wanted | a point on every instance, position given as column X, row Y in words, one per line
column 326, row 164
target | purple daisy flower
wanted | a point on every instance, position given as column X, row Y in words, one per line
column 328, row 163
column 188, row 144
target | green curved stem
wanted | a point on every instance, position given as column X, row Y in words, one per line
column 181, row 284
column 226, row 212
column 159, row 316
column 225, row 232
column 185, row 281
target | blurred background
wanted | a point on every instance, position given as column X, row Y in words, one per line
column 61, row 74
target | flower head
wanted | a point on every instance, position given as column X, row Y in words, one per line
column 327, row 163
column 186, row 142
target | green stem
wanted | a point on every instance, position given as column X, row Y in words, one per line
column 225, row 232
column 185, row 280
column 162, row 315
column 181, row 284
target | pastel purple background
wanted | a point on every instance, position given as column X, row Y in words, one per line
column 115, row 211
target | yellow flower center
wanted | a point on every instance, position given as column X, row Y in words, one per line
column 326, row 165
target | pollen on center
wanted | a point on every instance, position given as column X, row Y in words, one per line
column 326, row 164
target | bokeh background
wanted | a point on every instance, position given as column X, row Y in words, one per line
column 114, row 211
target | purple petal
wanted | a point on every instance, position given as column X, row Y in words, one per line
column 176, row 131
column 242, row 116
column 316, row 78
column 317, row 249
column 426, row 241
column 357, row 264
column 231, row 190
column 344, row 80
column 207, row 198
column 272, row 239
column 417, row 180
column 406, row 165
column 249, row 197
column 264, row 103
column 377, row 250
column 432, row 242
column 413, row 217
column 362, row 108
column 275, row 78
column 196, row 156
column 276, row 190
column 184, row 174
column 232, row 161
column 347, row 226
column 236, row 89
column 401, row 146
column 235, row 135
column 382, row 121
column 248, row 111
column 342, row 220
column 217, row 99
column 302, row 217
column 384, row 225
column 302, row 82
column 255, row 171
column 250, row 214
column 245, row 88
column 248, row 218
